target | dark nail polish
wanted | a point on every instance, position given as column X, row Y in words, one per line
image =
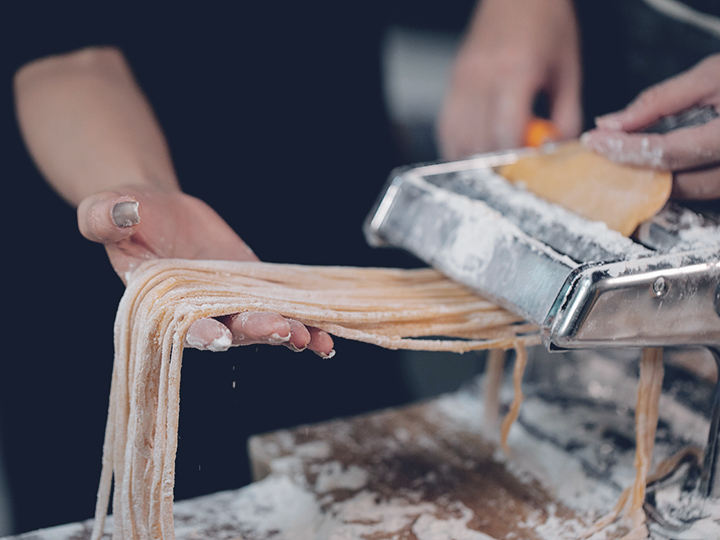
column 125, row 214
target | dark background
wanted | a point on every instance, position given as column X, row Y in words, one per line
column 274, row 116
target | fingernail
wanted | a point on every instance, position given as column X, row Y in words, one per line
column 294, row 348
column 276, row 338
column 326, row 356
column 585, row 139
column 125, row 214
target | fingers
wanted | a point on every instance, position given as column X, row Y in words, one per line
column 321, row 343
column 678, row 150
column 703, row 184
column 108, row 217
column 209, row 335
column 479, row 117
column 566, row 111
column 513, row 112
column 696, row 86
column 250, row 328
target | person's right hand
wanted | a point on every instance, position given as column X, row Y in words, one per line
column 692, row 153
column 139, row 223
column 514, row 50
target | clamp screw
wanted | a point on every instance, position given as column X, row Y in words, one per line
column 660, row 286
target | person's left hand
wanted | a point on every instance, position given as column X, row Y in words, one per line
column 139, row 223
column 693, row 154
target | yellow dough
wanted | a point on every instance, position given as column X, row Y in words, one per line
column 593, row 186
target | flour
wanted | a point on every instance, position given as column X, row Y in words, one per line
column 622, row 150
column 313, row 450
column 429, row 527
column 258, row 507
column 548, row 221
column 333, row 475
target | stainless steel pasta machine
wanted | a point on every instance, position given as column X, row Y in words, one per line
column 584, row 285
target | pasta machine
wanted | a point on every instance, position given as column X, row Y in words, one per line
column 582, row 284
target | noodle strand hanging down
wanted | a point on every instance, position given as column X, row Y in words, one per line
column 493, row 382
column 514, row 412
column 387, row 307
column 631, row 501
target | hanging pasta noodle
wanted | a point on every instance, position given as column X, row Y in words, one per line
column 491, row 390
column 622, row 197
column 387, row 307
column 514, row 412
column 631, row 501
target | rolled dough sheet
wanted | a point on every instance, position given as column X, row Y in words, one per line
column 593, row 186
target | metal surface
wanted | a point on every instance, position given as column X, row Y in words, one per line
column 665, row 299
column 583, row 284
column 695, row 116
column 674, row 225
column 465, row 239
column 710, row 477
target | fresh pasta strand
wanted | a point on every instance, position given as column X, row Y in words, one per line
column 514, row 412
column 630, row 503
column 492, row 383
column 392, row 308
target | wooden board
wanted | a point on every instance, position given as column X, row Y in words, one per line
column 431, row 471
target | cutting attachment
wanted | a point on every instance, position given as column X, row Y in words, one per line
column 584, row 285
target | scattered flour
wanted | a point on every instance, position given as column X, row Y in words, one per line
column 332, row 475
column 278, row 504
column 429, row 527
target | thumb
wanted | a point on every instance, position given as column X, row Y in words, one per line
column 108, row 217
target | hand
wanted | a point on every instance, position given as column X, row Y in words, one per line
column 138, row 223
column 692, row 153
column 514, row 50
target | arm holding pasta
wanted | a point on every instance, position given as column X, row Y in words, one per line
column 94, row 137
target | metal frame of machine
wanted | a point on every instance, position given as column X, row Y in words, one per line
column 584, row 285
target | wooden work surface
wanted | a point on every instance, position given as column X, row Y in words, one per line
column 409, row 474
column 430, row 471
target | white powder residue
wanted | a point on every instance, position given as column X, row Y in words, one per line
column 363, row 516
column 645, row 154
column 562, row 474
column 314, row 450
column 192, row 341
column 332, row 476
column 699, row 236
column 686, row 423
column 278, row 504
column 291, row 466
column 220, row 344
column 430, row 527
column 543, row 216
column 555, row 528
column 702, row 514
column 487, row 224
column 464, row 408
column 402, row 434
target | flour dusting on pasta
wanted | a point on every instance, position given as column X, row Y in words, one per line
column 396, row 309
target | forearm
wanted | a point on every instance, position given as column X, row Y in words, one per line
column 88, row 125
